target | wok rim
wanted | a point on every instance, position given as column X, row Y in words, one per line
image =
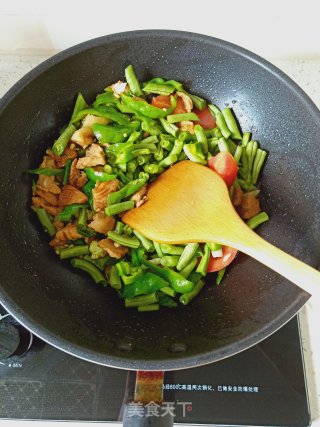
column 145, row 364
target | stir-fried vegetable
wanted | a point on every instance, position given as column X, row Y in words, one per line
column 101, row 165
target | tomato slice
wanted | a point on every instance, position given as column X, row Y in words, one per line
column 161, row 101
column 216, row 264
column 207, row 120
column 225, row 165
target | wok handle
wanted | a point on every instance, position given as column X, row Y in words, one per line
column 144, row 410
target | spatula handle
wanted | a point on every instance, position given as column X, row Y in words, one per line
column 299, row 273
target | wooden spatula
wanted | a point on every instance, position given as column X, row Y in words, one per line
column 190, row 203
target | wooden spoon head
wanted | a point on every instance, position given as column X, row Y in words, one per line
column 187, row 203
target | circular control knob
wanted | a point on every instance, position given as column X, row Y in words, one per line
column 14, row 340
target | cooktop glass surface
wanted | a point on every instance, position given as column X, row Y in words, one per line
column 262, row 386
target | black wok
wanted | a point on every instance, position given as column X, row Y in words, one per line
column 61, row 305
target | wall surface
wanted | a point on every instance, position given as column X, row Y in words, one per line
column 270, row 28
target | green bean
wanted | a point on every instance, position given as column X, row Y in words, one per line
column 166, row 143
column 149, row 307
column 168, row 161
column 213, row 144
column 119, row 207
column 80, row 105
column 114, row 277
column 144, row 175
column 220, row 276
column 245, row 139
column 152, row 139
column 246, row 186
column 168, row 291
column 186, row 271
column 189, row 296
column 107, row 169
column 223, row 126
column 74, row 251
column 161, row 89
column 127, row 230
column 257, row 165
column 45, row 221
column 244, row 159
column 223, row 145
column 135, row 261
column 132, row 81
column 119, row 227
column 201, row 138
column 142, row 160
column 146, row 243
column 142, row 300
column 252, row 152
column 170, row 128
column 129, row 189
column 157, row 247
column 211, row 133
column 158, row 155
column 174, row 118
column 232, row 146
column 231, row 123
column 214, row 110
column 141, row 146
column 249, row 149
column 100, row 263
column 130, row 242
column 60, row 144
column 244, row 179
column 89, row 268
column 195, row 277
column 122, row 177
column 171, row 249
column 217, row 132
column 140, row 152
column 177, row 148
column 237, row 154
column 187, row 255
column 132, row 165
column 186, row 136
column 166, row 300
column 152, row 168
column 82, row 224
column 169, row 260
column 153, row 130
column 257, row 220
column 123, row 268
column 202, row 267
